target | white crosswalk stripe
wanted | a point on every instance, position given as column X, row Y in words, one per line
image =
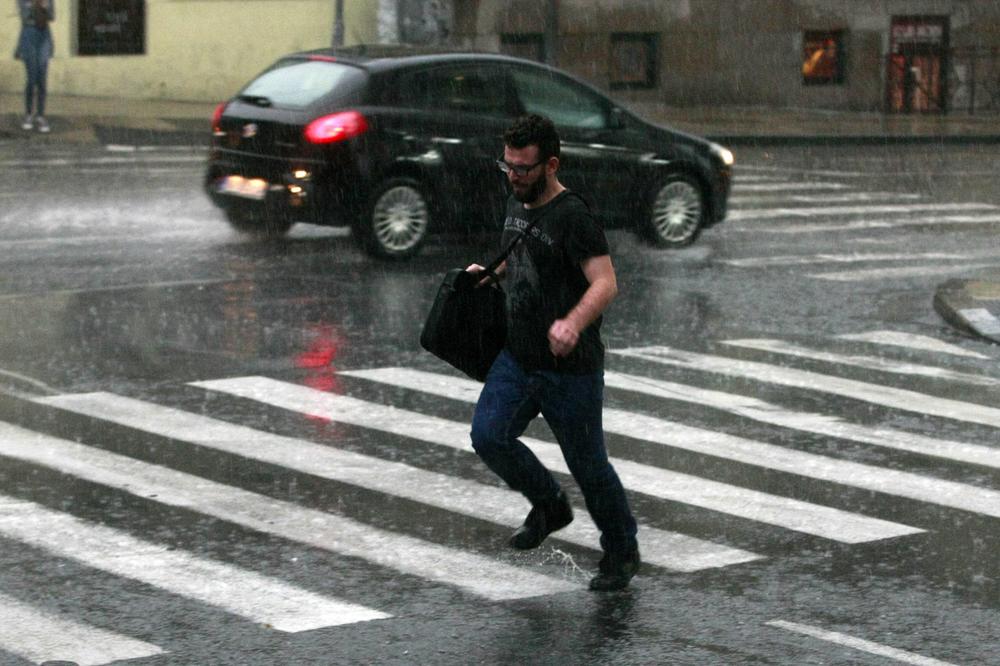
column 764, row 199
column 868, row 362
column 44, row 636
column 750, row 504
column 802, row 207
column 239, row 591
column 751, row 214
column 659, row 431
column 875, row 274
column 666, row 549
column 773, row 227
column 821, row 424
column 854, row 197
column 822, row 258
column 474, row 573
column 887, row 396
column 787, row 186
column 911, row 341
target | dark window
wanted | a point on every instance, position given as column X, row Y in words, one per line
column 478, row 90
column 822, row 57
column 633, row 60
column 566, row 103
column 530, row 46
column 111, row 27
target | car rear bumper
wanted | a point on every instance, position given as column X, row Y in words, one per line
column 300, row 190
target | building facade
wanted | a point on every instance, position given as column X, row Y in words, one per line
column 929, row 56
column 871, row 55
column 198, row 50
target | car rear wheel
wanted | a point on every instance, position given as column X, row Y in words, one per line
column 397, row 221
column 258, row 223
column 676, row 212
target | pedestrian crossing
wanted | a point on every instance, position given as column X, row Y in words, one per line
column 776, row 204
column 647, row 430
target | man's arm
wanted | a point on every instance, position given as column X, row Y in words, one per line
column 565, row 333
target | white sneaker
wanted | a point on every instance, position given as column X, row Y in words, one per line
column 28, row 122
column 42, row 124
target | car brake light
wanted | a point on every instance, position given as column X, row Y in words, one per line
column 217, row 117
column 336, row 127
column 323, row 58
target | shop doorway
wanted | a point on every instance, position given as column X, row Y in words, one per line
column 917, row 64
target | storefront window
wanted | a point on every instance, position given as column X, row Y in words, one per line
column 822, row 57
column 633, row 60
column 111, row 27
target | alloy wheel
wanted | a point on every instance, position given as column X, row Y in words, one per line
column 400, row 219
column 676, row 212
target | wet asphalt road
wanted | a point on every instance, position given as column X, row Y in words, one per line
column 813, row 458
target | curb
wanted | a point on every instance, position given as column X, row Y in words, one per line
column 971, row 306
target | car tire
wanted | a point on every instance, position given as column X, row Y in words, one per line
column 676, row 212
column 258, row 224
column 397, row 219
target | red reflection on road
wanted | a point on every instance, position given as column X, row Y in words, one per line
column 317, row 360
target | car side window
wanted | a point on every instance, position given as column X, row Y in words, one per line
column 566, row 103
column 479, row 90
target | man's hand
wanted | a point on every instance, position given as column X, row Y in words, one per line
column 476, row 268
column 562, row 337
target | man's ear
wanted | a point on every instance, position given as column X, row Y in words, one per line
column 551, row 166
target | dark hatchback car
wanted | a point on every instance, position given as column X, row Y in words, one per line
column 399, row 144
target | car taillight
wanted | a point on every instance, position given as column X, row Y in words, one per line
column 217, row 117
column 336, row 127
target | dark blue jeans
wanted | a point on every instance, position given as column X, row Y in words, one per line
column 571, row 405
column 36, row 49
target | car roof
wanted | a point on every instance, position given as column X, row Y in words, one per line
column 381, row 57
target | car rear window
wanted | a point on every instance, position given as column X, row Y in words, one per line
column 296, row 83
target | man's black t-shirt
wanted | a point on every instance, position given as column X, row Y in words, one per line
column 544, row 281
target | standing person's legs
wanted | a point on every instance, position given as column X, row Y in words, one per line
column 31, row 56
column 41, row 84
column 572, row 406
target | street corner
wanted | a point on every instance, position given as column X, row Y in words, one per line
column 971, row 305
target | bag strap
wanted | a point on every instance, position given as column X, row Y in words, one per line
column 491, row 267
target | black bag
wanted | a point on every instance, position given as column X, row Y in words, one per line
column 467, row 325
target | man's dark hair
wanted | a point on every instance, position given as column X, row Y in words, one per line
column 534, row 130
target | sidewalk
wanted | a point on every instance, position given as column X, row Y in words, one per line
column 972, row 306
column 104, row 120
column 110, row 120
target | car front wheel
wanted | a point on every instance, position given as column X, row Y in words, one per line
column 397, row 221
column 676, row 212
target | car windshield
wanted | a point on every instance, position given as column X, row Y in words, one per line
column 298, row 83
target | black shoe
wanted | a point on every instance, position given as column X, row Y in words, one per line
column 615, row 571
column 543, row 519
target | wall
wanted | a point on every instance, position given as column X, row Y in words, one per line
column 746, row 52
column 197, row 50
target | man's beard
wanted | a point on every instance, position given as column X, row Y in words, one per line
column 531, row 193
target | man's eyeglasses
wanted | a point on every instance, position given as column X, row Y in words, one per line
column 518, row 169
